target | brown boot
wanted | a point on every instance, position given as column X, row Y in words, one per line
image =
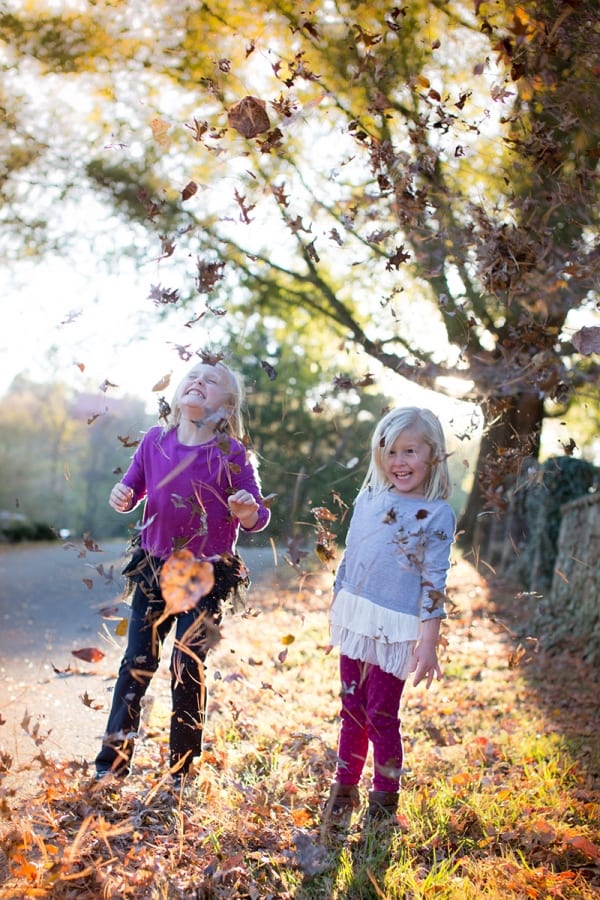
column 383, row 806
column 343, row 798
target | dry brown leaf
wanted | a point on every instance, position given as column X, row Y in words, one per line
column 249, row 117
column 184, row 580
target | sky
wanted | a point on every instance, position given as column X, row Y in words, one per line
column 74, row 324
column 85, row 328
column 68, row 322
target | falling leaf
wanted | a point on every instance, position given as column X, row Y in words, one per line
column 189, row 190
column 323, row 514
column 269, row 369
column 108, row 612
column 163, row 383
column 88, row 654
column 89, row 702
column 587, row 340
column 127, row 441
column 184, row 580
column 288, row 639
column 282, row 656
column 249, row 117
column 399, row 256
column 106, row 384
column 88, row 583
column 160, row 132
column 163, row 296
column 121, row 629
column 90, row 544
column 324, row 552
column 67, row 671
column 209, row 274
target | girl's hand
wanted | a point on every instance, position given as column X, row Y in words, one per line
column 244, row 507
column 121, row 497
column 425, row 663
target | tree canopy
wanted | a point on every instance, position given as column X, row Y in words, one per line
column 418, row 182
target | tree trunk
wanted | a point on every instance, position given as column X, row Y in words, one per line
column 512, row 436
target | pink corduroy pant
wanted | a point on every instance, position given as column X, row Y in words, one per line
column 370, row 714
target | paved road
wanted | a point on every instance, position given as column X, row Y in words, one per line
column 50, row 602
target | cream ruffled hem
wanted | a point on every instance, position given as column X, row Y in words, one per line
column 374, row 634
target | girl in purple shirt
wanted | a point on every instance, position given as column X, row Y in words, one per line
column 199, row 488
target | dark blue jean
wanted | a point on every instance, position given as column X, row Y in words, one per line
column 195, row 632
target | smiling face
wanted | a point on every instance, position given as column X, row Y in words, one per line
column 407, row 463
column 205, row 390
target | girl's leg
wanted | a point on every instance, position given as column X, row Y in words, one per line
column 353, row 741
column 139, row 663
column 383, row 693
column 188, row 686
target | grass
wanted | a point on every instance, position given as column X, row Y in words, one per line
column 500, row 798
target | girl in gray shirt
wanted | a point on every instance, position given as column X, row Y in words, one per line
column 388, row 601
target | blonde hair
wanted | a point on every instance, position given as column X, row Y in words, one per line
column 437, row 486
column 232, row 422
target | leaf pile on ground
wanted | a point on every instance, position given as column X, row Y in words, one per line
column 500, row 798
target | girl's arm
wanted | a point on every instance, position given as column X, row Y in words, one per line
column 425, row 662
column 244, row 506
column 246, row 502
column 121, row 497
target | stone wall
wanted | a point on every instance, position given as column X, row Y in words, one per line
column 571, row 614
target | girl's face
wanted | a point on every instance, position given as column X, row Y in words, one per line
column 204, row 390
column 407, row 463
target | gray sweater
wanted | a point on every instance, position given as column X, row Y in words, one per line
column 398, row 553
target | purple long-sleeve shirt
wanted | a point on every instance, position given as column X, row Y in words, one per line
column 186, row 490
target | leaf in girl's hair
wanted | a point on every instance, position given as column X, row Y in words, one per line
column 184, row 580
column 211, row 359
column 88, row 654
column 288, row 639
